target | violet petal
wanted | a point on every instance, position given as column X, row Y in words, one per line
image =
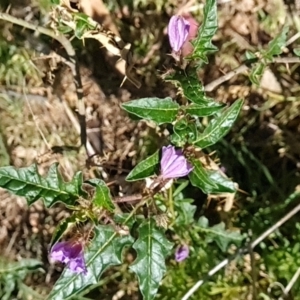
column 178, row 30
column 173, row 164
column 70, row 253
column 182, row 253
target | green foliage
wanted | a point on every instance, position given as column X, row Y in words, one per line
column 256, row 73
column 184, row 132
column 145, row 168
column 202, row 44
column 200, row 178
column 155, row 109
column 28, row 183
column 104, row 251
column 223, row 184
column 203, row 110
column 152, row 248
column 210, row 182
column 12, row 275
column 297, row 51
column 185, row 210
column 219, row 126
column 274, row 48
column 64, row 226
column 218, row 234
column 190, row 85
column 102, row 197
column 16, row 66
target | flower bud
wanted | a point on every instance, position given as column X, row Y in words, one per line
column 71, row 254
column 182, row 253
column 178, row 30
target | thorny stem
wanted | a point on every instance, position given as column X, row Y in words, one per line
column 245, row 249
column 72, row 63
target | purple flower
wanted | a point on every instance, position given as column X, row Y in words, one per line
column 173, row 164
column 178, row 30
column 71, row 254
column 182, row 253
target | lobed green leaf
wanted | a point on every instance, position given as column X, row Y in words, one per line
column 152, row 247
column 186, row 212
column 202, row 44
column 219, row 234
column 191, row 86
column 275, row 47
column 28, row 183
column 102, row 197
column 155, row 109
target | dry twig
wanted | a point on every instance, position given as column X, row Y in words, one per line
column 243, row 68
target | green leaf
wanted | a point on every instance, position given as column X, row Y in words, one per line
column 220, row 126
column 155, row 109
column 276, row 45
column 210, row 182
column 20, row 268
column 297, row 51
column 200, row 178
column 82, row 24
column 223, row 184
column 191, row 86
column 145, row 168
column 184, row 132
column 28, row 183
column 105, row 250
column 219, row 234
column 256, row 73
column 183, row 183
column 152, row 247
column 203, row 110
column 186, row 212
column 202, row 44
column 250, row 55
column 63, row 227
column 102, row 197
